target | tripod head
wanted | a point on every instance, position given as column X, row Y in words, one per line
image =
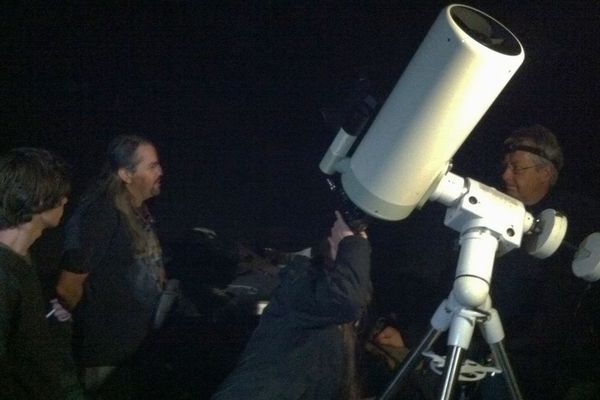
column 491, row 224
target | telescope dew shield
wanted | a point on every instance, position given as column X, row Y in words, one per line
column 462, row 65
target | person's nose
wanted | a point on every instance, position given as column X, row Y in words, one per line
column 508, row 174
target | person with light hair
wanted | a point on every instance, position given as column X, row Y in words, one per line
column 547, row 312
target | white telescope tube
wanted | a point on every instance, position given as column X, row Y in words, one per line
column 461, row 66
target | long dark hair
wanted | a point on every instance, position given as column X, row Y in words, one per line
column 351, row 385
column 121, row 153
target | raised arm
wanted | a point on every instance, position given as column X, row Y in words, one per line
column 339, row 293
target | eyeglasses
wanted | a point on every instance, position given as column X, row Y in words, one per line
column 515, row 169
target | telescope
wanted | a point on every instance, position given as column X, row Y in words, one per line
column 460, row 68
column 404, row 159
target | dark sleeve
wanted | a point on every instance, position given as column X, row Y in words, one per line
column 563, row 315
column 341, row 294
column 9, row 299
column 87, row 237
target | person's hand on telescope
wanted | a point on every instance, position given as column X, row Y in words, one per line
column 339, row 231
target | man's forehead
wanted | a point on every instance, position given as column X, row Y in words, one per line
column 518, row 155
column 146, row 153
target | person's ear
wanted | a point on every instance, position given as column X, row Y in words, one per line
column 547, row 172
column 124, row 174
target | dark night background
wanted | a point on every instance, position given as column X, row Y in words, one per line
column 233, row 94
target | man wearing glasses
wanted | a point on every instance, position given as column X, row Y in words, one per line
column 548, row 313
column 531, row 164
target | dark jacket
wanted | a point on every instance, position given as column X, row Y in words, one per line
column 29, row 362
column 549, row 315
column 297, row 351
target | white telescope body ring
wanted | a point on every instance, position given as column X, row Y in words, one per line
column 462, row 65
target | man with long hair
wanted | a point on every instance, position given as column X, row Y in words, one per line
column 34, row 185
column 112, row 270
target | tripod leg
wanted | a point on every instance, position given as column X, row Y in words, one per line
column 459, row 338
column 493, row 332
column 451, row 372
column 509, row 376
column 410, row 363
